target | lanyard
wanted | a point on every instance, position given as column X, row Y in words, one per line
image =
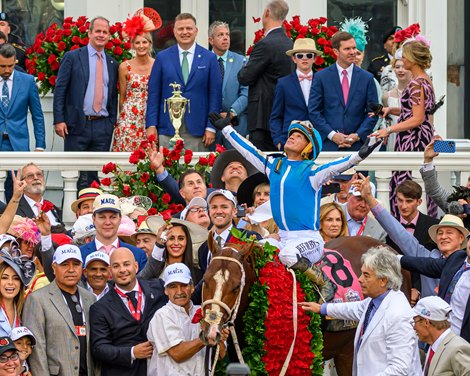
column 136, row 313
column 361, row 229
column 16, row 321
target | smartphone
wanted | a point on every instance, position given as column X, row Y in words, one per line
column 328, row 189
column 444, row 146
column 241, row 211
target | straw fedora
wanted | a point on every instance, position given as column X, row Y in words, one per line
column 449, row 220
column 84, row 195
column 304, row 45
column 198, row 233
column 143, row 229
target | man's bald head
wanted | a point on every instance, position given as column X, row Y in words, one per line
column 124, row 268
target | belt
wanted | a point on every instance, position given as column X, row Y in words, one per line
column 5, row 136
column 91, row 118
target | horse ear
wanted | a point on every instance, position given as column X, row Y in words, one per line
column 211, row 243
column 247, row 249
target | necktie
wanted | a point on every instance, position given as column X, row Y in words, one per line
column 222, row 68
column 218, row 239
column 132, row 298
column 38, row 205
column 99, row 85
column 426, row 368
column 409, row 225
column 305, row 77
column 454, row 281
column 108, row 249
column 345, row 86
column 5, row 95
column 367, row 317
column 185, row 66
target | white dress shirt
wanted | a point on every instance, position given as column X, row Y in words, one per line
column 35, row 210
column 305, row 85
column 459, row 300
column 189, row 56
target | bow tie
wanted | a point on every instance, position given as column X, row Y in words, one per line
column 409, row 225
column 305, row 77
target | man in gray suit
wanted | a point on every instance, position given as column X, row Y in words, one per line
column 234, row 95
column 357, row 214
column 58, row 315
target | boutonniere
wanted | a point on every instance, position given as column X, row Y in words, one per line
column 46, row 206
column 230, row 60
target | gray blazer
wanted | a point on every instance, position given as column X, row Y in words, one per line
column 433, row 188
column 451, row 358
column 56, row 352
column 374, row 230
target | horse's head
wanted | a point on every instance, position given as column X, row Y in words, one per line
column 224, row 281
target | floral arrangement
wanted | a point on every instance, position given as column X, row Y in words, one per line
column 142, row 182
column 410, row 31
column 44, row 56
column 271, row 309
column 316, row 29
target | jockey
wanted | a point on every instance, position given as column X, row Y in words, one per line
column 296, row 184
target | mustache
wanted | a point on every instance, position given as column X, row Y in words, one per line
column 181, row 296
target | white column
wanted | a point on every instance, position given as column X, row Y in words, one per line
column 70, row 194
column 3, row 176
column 113, row 10
column 200, row 10
column 383, row 187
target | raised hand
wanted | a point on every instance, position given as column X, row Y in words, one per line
column 156, row 157
column 218, row 121
column 43, row 223
column 18, row 185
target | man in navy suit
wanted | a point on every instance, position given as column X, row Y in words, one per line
column 85, row 97
column 267, row 63
column 234, row 95
column 293, row 91
column 107, row 218
column 197, row 71
column 339, row 99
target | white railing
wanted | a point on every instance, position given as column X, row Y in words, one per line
column 69, row 164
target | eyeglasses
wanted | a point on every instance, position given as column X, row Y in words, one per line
column 301, row 56
column 6, row 358
column 197, row 210
column 413, row 323
column 78, row 307
column 39, row 175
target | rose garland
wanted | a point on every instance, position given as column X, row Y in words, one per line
column 268, row 322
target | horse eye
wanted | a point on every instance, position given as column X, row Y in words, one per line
column 236, row 288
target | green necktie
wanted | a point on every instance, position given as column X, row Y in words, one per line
column 185, row 66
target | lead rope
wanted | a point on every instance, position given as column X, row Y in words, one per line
column 294, row 320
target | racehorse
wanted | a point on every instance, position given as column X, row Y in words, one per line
column 229, row 277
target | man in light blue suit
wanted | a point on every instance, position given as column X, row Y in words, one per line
column 197, row 71
column 234, row 95
column 293, row 91
column 339, row 99
column 19, row 93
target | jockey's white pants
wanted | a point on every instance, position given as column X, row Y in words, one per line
column 303, row 243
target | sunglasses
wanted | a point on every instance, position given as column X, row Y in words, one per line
column 78, row 307
column 301, row 56
column 5, row 358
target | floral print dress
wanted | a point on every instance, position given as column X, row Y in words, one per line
column 414, row 139
column 130, row 128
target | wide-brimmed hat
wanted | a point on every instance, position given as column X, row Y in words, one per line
column 222, row 161
column 315, row 144
column 84, row 195
column 143, row 229
column 304, row 45
column 198, row 233
column 449, row 220
column 22, row 265
column 246, row 189
column 126, row 229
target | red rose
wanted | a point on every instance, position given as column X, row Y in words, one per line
column 211, row 159
column 55, row 66
column 108, row 45
column 179, row 145
column 188, row 156
column 117, row 51
column 175, row 155
column 46, row 206
column 51, row 58
column 152, row 138
column 256, row 20
column 219, row 148
column 52, row 80
column 315, row 31
column 249, row 50
column 126, row 190
column 57, row 38
column 144, row 177
column 61, row 46
column 109, row 167
column 112, row 29
column 144, row 144
column 152, row 211
column 166, row 198
column 106, row 182
column 197, row 316
column 68, row 20
column 295, row 20
column 166, row 152
column 41, row 76
column 166, row 214
column 322, row 41
column 141, row 153
column 95, row 184
column 67, row 32
column 74, row 47
column 82, row 29
column 127, row 46
column 116, row 41
column 323, row 20
column 319, row 60
column 134, row 158
column 203, row 161
column 153, row 197
column 84, row 41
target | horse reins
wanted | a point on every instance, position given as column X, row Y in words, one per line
column 214, row 318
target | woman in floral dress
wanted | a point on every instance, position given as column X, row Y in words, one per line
column 414, row 128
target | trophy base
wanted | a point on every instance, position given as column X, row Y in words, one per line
column 173, row 140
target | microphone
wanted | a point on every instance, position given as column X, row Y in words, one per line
column 455, row 208
column 376, row 108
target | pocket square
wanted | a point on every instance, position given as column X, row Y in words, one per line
column 201, row 67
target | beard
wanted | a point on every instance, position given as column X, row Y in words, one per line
column 35, row 189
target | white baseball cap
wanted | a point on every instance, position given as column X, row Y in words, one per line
column 67, row 252
column 106, row 203
column 357, row 193
column 22, row 331
column 83, row 226
column 98, row 255
column 432, row 308
column 222, row 192
column 196, row 201
column 177, row 272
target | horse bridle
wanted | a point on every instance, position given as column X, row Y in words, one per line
column 211, row 316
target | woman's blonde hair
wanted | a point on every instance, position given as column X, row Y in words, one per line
column 147, row 36
column 418, row 53
column 327, row 209
column 19, row 299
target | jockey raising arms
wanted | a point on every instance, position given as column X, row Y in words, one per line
column 296, row 184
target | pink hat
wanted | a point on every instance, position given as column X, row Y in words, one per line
column 126, row 229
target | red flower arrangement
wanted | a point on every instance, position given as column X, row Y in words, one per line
column 46, row 206
column 315, row 29
column 410, row 31
column 44, row 56
column 143, row 182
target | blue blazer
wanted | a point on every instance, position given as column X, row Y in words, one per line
column 70, row 89
column 289, row 104
column 328, row 112
column 203, row 89
column 13, row 119
column 139, row 254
